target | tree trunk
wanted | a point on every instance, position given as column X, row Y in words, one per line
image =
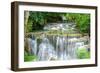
column 26, row 16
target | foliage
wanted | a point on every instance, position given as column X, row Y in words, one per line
column 28, row 57
column 82, row 21
column 37, row 20
column 83, row 53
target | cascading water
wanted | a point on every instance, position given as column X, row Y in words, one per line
column 34, row 46
column 56, row 47
column 60, row 47
column 72, row 47
column 46, row 50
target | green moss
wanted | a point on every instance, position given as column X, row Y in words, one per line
column 30, row 58
column 83, row 53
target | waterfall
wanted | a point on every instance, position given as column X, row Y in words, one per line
column 60, row 48
column 34, row 46
column 57, row 46
column 46, row 51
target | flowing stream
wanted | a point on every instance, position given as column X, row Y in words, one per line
column 56, row 47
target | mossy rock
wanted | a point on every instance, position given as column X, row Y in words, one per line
column 28, row 58
column 83, row 53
